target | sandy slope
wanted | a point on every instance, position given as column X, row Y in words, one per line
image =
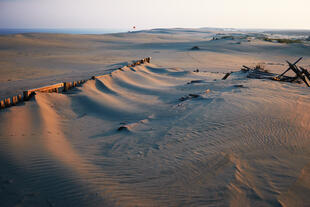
column 33, row 60
column 130, row 139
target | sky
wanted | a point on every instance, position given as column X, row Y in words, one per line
column 147, row 14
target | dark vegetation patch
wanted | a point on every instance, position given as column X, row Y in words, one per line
column 282, row 40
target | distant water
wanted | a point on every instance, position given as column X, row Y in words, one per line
column 61, row 31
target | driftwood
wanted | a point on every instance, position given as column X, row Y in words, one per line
column 7, row 102
column 302, row 74
column 226, row 76
column 2, row 105
column 245, row 68
column 289, row 67
column 306, row 72
column 298, row 73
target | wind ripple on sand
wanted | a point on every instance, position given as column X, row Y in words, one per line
column 228, row 147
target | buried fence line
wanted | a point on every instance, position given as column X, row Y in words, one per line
column 56, row 88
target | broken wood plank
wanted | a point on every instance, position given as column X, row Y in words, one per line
column 246, row 67
column 298, row 73
column 45, row 89
column 306, row 72
column 289, row 67
column 226, row 76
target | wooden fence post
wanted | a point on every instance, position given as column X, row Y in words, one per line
column 66, row 86
column 226, row 76
column 14, row 100
column 26, row 95
column 7, row 102
column 19, row 98
column 2, row 105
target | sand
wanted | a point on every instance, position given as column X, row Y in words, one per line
column 157, row 135
column 34, row 60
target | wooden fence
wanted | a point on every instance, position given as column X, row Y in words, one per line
column 56, row 88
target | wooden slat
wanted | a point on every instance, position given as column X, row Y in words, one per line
column 246, row 67
column 306, row 72
column 46, row 88
column 226, row 76
column 14, row 100
column 298, row 73
column 2, row 104
column 290, row 67
column 7, row 102
column 20, row 99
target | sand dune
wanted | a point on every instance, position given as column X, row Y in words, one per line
column 157, row 136
column 34, row 60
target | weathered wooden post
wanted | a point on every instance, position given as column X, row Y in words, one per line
column 279, row 76
column 66, row 86
column 26, row 95
column 7, row 102
column 306, row 72
column 298, row 73
column 20, row 99
column 2, row 105
column 14, row 100
column 226, row 76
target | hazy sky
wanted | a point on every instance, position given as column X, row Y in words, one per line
column 123, row 14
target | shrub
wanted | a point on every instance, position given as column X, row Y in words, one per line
column 279, row 40
column 261, row 67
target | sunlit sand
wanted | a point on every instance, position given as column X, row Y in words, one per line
column 157, row 134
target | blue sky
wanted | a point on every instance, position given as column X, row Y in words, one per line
column 123, row 14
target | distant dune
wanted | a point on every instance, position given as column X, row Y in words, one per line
column 31, row 60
